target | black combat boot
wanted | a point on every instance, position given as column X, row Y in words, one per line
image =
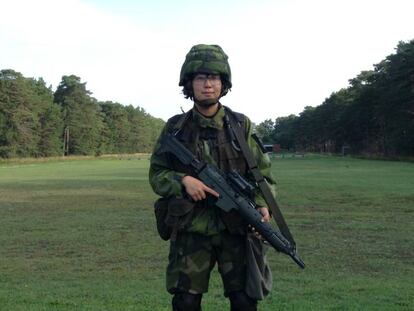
column 239, row 301
column 186, row 302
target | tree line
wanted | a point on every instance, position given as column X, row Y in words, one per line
column 374, row 115
column 37, row 122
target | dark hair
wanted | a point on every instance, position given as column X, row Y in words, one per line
column 188, row 87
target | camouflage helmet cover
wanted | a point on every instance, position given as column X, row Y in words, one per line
column 203, row 58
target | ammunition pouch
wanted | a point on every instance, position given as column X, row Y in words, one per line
column 161, row 210
column 171, row 215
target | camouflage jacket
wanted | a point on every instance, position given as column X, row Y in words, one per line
column 165, row 176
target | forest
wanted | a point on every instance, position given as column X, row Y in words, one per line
column 373, row 116
column 37, row 122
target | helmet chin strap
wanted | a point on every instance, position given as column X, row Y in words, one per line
column 206, row 102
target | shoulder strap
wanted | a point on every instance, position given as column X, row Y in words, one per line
column 177, row 122
column 260, row 180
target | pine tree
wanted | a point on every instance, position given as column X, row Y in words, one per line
column 81, row 114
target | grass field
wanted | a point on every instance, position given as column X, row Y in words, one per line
column 80, row 235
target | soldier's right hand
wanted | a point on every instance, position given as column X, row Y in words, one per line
column 196, row 189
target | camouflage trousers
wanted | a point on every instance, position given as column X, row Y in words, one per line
column 193, row 256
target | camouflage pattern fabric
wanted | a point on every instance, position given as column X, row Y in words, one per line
column 166, row 182
column 193, row 256
column 204, row 241
column 203, row 58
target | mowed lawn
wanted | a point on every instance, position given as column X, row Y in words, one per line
column 80, row 235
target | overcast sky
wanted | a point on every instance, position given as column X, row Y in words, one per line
column 284, row 55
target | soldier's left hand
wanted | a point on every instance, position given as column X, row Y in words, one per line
column 265, row 213
column 266, row 218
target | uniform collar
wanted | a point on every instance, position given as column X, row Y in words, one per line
column 215, row 121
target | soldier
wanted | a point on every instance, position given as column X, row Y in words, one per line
column 203, row 235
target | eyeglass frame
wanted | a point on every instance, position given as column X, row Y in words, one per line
column 201, row 78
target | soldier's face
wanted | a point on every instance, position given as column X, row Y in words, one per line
column 207, row 88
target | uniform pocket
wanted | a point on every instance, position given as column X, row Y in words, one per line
column 161, row 213
column 179, row 212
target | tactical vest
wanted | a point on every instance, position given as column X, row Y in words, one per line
column 221, row 148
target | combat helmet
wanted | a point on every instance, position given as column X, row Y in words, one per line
column 209, row 59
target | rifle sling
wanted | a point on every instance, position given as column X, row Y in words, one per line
column 260, row 180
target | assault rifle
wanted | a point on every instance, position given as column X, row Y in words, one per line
column 234, row 193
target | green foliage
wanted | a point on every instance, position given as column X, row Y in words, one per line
column 265, row 130
column 29, row 120
column 284, row 133
column 50, row 143
column 80, row 235
column 117, row 127
column 128, row 129
column 80, row 114
column 33, row 119
column 374, row 115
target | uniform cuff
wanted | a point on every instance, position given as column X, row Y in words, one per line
column 178, row 187
column 260, row 202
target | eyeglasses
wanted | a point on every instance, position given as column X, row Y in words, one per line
column 202, row 79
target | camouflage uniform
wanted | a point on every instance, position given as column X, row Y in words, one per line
column 206, row 234
column 193, row 253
